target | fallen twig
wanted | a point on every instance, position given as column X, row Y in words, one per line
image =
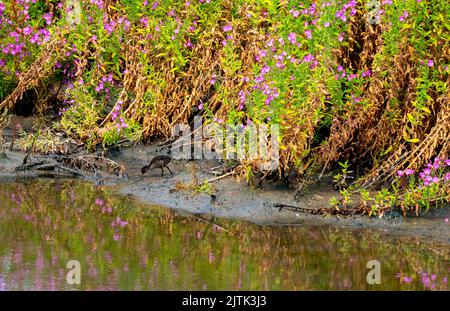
column 25, row 167
column 220, row 177
column 282, row 206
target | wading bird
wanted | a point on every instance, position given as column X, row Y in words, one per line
column 160, row 161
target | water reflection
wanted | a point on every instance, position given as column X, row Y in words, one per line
column 124, row 245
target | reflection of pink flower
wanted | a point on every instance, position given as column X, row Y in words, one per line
column 407, row 279
column 446, row 220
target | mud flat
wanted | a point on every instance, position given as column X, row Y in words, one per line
column 235, row 199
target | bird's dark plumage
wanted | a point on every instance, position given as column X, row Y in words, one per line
column 160, row 161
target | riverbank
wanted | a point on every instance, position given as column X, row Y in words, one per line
column 235, row 199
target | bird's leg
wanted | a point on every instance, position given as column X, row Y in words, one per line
column 162, row 172
column 169, row 170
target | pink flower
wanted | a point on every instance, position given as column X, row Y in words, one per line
column 292, row 37
column 409, row 172
column 213, row 79
column 367, row 73
column 430, row 63
column 27, row 31
column 407, row 279
column 308, row 33
column 403, row 16
column 280, row 65
column 227, row 28
column 447, row 177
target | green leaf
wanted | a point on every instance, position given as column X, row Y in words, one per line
column 413, row 140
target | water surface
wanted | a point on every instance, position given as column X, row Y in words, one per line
column 122, row 244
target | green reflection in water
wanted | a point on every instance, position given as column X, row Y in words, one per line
column 125, row 245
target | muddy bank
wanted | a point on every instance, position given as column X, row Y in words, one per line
column 235, row 199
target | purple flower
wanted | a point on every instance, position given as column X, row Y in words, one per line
column 265, row 69
column 227, row 28
column 261, row 55
column 280, row 65
column 48, row 18
column 308, row 33
column 292, row 37
column 447, row 177
column 213, row 79
column 367, row 73
column 430, row 63
column 294, row 13
column 403, row 16
column 155, row 5
column 409, row 172
column 352, row 76
column 407, row 279
column 27, row 31
column 99, row 87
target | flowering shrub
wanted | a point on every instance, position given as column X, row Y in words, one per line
column 412, row 191
column 342, row 88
